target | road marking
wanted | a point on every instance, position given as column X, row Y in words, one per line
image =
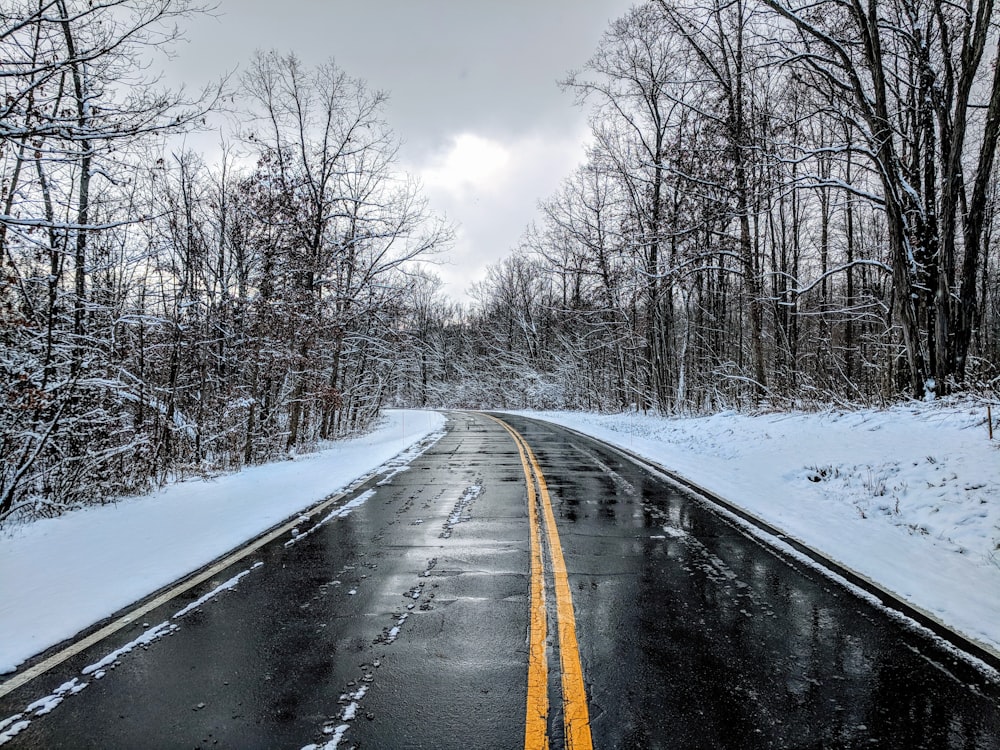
column 111, row 628
column 536, row 734
column 576, row 717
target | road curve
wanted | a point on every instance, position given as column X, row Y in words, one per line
column 516, row 585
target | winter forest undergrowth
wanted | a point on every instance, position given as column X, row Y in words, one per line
column 784, row 204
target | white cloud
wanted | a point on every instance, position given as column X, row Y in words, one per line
column 470, row 163
column 490, row 188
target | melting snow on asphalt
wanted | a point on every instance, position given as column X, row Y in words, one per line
column 337, row 735
column 147, row 637
column 231, row 583
column 459, row 512
column 351, row 709
column 389, row 635
column 908, row 496
column 14, row 725
column 352, row 702
column 342, row 512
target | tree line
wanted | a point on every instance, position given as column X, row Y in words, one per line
column 165, row 312
column 785, row 202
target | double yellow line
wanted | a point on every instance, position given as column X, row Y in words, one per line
column 576, row 718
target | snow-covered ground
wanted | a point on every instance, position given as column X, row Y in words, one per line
column 60, row 575
column 908, row 496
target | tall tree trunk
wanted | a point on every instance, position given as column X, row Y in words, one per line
column 966, row 318
column 81, row 95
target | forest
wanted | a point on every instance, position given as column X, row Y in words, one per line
column 785, row 204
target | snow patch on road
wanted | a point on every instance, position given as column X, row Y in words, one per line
column 338, row 734
column 351, row 709
column 14, row 725
column 11, row 727
column 389, row 635
column 231, row 583
column 44, row 705
column 342, row 512
column 459, row 512
column 149, row 636
column 352, row 702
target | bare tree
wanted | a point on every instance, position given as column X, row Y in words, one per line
column 348, row 222
column 76, row 104
column 907, row 72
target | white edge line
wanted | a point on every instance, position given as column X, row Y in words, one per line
column 75, row 648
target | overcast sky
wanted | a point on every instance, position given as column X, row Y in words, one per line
column 472, row 87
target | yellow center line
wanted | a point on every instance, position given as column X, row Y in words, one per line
column 576, row 717
column 536, row 734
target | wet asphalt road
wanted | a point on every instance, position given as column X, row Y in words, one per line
column 404, row 625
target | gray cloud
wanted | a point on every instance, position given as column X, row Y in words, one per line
column 452, row 68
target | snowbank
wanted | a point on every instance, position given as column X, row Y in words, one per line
column 909, row 496
column 61, row 575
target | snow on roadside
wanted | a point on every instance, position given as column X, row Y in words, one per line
column 908, row 496
column 60, row 575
